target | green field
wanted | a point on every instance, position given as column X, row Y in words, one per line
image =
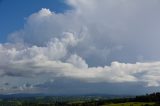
column 131, row 104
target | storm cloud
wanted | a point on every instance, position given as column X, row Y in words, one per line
column 94, row 42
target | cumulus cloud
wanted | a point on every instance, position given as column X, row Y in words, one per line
column 51, row 59
column 77, row 61
column 96, row 41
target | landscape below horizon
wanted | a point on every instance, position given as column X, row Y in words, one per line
column 79, row 100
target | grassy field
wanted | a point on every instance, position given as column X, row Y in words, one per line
column 130, row 104
column 76, row 102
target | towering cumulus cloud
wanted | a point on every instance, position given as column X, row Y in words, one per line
column 96, row 41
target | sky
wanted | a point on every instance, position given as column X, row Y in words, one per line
column 79, row 46
column 23, row 8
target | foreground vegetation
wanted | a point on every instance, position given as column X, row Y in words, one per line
column 146, row 100
column 132, row 104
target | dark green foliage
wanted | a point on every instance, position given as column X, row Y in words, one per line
column 82, row 101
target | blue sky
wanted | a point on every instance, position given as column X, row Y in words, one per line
column 23, row 8
column 79, row 46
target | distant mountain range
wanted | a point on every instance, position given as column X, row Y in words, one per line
column 26, row 95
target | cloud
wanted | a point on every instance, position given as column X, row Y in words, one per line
column 53, row 59
column 96, row 41
column 103, row 26
column 77, row 61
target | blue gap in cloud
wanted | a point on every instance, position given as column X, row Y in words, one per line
column 14, row 12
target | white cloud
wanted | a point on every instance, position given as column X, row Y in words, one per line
column 35, row 61
column 77, row 61
column 81, row 43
